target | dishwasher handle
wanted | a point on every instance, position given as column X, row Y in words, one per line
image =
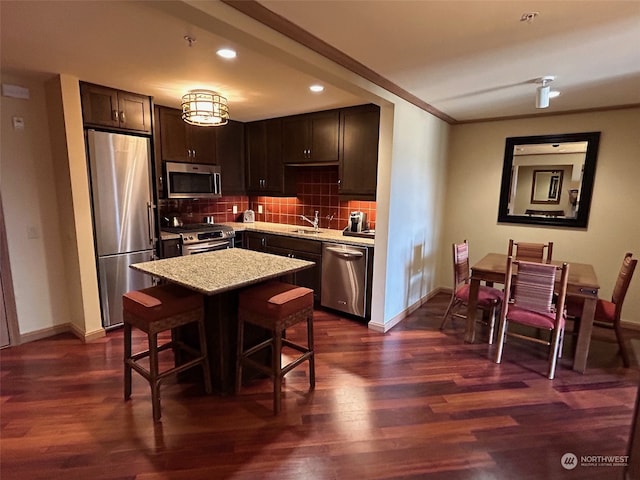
column 345, row 253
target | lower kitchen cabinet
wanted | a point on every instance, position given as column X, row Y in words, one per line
column 309, row 250
column 170, row 248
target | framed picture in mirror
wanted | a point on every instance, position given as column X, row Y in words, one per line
column 548, row 179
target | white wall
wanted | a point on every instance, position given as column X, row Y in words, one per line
column 473, row 188
column 415, row 204
column 30, row 206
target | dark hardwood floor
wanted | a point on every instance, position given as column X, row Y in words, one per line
column 410, row 404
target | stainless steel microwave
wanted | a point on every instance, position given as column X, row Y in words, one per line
column 192, row 180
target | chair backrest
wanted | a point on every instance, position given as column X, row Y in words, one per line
column 530, row 252
column 623, row 281
column 460, row 263
column 534, row 287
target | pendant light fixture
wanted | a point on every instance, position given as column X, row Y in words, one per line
column 205, row 108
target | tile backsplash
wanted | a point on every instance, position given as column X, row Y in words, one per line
column 316, row 189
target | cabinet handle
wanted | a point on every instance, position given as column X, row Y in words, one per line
column 115, row 115
column 189, row 152
column 194, row 153
column 122, row 117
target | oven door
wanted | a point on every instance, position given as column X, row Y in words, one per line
column 208, row 246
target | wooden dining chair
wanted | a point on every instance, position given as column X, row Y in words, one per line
column 530, row 252
column 608, row 313
column 533, row 304
column 488, row 298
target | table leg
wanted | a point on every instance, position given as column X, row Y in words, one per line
column 470, row 333
column 584, row 336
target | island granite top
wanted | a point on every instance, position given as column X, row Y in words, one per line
column 222, row 270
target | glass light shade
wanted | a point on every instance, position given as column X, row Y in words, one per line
column 205, row 108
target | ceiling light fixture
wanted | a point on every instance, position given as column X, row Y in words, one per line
column 316, row 88
column 226, row 53
column 205, row 108
column 543, row 91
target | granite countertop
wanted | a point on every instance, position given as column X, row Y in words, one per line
column 222, row 270
column 324, row 235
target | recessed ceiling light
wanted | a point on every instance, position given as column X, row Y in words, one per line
column 316, row 88
column 226, row 53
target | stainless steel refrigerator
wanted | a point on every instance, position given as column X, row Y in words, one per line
column 122, row 201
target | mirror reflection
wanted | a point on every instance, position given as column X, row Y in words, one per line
column 548, row 179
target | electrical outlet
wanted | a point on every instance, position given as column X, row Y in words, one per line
column 259, row 208
column 235, row 209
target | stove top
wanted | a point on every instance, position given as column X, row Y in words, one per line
column 199, row 227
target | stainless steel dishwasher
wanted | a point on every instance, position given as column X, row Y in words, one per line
column 344, row 278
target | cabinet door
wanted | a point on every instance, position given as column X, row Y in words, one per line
column 201, row 143
column 135, row 112
column 255, row 241
column 324, row 130
column 171, row 248
column 359, row 151
column 173, row 135
column 230, row 157
column 264, row 169
column 310, row 277
column 295, row 139
column 99, row 105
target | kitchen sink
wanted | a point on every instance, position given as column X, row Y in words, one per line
column 306, row 231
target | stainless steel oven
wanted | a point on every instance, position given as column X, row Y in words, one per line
column 206, row 246
column 203, row 237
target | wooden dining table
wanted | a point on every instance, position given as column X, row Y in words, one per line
column 582, row 283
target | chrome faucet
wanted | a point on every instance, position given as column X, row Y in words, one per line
column 315, row 222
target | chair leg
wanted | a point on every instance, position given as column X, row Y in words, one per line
column 153, row 376
column 446, row 314
column 492, row 323
column 502, row 332
column 127, row 366
column 623, row 348
column 277, row 371
column 312, row 358
column 555, row 344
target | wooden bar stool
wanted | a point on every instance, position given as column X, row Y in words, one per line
column 275, row 306
column 155, row 310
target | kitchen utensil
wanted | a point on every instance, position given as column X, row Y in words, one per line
column 209, row 219
column 172, row 220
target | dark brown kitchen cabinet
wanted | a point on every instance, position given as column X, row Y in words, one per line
column 264, row 170
column 107, row 107
column 230, row 157
column 170, row 248
column 311, row 138
column 292, row 247
column 181, row 142
column 358, row 169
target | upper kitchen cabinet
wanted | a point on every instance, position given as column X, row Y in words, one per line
column 311, row 138
column 107, row 107
column 360, row 128
column 181, row 142
column 264, row 170
column 230, row 157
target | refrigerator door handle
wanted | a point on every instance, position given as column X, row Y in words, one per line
column 149, row 222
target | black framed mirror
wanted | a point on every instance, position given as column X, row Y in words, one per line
column 548, row 179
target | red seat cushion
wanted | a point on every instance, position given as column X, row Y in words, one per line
column 275, row 299
column 161, row 301
column 605, row 310
column 487, row 296
column 533, row 319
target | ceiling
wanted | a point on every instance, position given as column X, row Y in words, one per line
column 469, row 59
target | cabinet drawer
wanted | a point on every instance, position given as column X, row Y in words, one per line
column 297, row 244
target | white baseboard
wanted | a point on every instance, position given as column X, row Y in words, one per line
column 86, row 337
column 383, row 328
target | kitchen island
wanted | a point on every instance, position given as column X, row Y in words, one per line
column 219, row 276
